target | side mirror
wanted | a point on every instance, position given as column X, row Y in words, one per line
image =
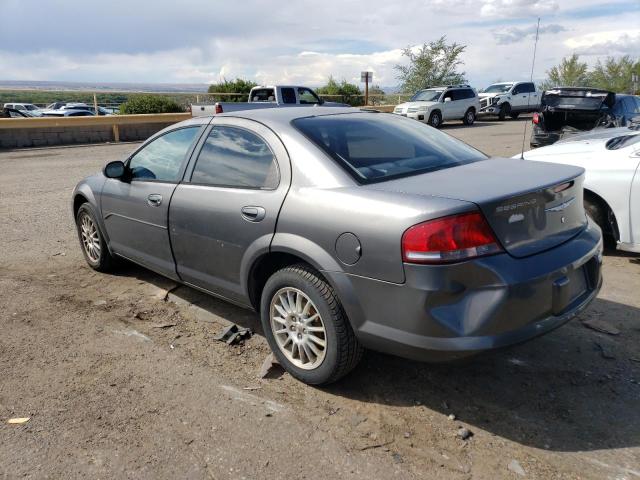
column 447, row 99
column 114, row 169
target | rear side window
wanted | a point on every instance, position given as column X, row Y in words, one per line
column 374, row 147
column 162, row 158
column 288, row 95
column 234, row 157
column 263, row 95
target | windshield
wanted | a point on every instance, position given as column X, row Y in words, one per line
column 498, row 88
column 427, row 96
column 374, row 147
column 31, row 107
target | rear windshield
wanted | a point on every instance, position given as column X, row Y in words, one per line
column 374, row 147
column 262, row 95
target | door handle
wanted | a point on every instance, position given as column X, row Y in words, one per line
column 253, row 214
column 155, row 199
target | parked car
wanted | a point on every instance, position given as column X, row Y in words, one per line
column 567, row 111
column 439, row 104
column 25, row 107
column 611, row 159
column 349, row 229
column 509, row 99
column 15, row 113
column 267, row 97
column 84, row 106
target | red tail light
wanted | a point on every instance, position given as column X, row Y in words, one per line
column 218, row 108
column 536, row 118
column 449, row 239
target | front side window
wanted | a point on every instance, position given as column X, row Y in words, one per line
column 162, row 158
column 306, row 96
column 235, row 157
column 374, row 147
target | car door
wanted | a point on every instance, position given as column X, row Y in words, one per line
column 224, row 213
column 450, row 105
column 519, row 97
column 135, row 209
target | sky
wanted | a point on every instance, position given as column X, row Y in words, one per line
column 300, row 41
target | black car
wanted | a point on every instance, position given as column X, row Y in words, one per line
column 565, row 111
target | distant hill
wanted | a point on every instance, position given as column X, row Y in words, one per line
column 103, row 87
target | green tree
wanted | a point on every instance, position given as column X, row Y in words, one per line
column 239, row 85
column 376, row 95
column 348, row 92
column 150, row 104
column 615, row 74
column 570, row 73
column 435, row 63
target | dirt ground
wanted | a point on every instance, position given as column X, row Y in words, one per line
column 121, row 376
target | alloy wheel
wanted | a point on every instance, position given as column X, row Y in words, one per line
column 298, row 328
column 90, row 237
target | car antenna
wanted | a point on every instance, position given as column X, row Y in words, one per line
column 533, row 63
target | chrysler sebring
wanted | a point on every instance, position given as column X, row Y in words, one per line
column 347, row 229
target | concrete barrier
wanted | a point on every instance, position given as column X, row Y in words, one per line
column 45, row 131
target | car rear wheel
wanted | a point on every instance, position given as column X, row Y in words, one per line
column 469, row 117
column 435, row 119
column 505, row 109
column 94, row 246
column 600, row 215
column 306, row 327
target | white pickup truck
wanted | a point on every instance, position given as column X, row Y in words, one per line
column 267, row 97
column 509, row 99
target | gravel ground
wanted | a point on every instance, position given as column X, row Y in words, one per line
column 121, row 377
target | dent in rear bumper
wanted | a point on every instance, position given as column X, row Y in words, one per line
column 444, row 312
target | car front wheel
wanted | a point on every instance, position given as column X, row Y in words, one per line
column 94, row 246
column 435, row 120
column 505, row 109
column 306, row 327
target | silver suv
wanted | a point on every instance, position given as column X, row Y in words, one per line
column 438, row 104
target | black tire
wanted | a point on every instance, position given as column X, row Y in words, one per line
column 514, row 115
column 505, row 109
column 600, row 214
column 342, row 349
column 435, row 119
column 101, row 260
column 469, row 116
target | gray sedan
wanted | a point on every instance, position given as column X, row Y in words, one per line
column 347, row 229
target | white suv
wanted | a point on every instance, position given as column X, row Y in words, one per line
column 438, row 104
column 509, row 99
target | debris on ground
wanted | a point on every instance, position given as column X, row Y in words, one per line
column 604, row 351
column 464, row 433
column 251, row 388
column 164, row 325
column 516, row 468
column 233, row 334
column 600, row 326
column 397, row 458
column 451, row 417
column 270, row 368
column 18, row 420
column 99, row 303
column 61, row 254
column 375, row 445
column 163, row 293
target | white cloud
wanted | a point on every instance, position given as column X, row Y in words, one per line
column 515, row 34
column 520, row 8
column 613, row 42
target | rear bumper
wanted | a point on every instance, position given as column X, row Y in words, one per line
column 542, row 139
column 446, row 312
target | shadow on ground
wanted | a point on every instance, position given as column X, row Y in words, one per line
column 558, row 392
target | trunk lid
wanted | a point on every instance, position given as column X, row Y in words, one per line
column 574, row 109
column 531, row 206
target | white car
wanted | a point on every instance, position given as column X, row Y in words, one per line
column 611, row 158
column 438, row 104
column 25, row 107
column 509, row 99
